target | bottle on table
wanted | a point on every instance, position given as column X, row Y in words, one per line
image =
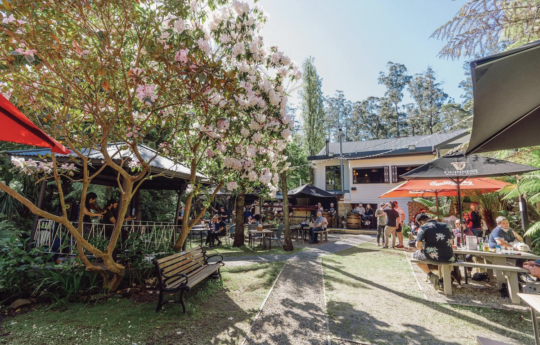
column 498, row 249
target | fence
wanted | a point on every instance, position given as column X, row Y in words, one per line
column 52, row 237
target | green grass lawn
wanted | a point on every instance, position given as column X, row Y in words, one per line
column 218, row 313
column 374, row 297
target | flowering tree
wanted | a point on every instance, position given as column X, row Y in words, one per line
column 197, row 75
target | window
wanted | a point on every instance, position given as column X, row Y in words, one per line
column 398, row 171
column 333, row 178
column 370, row 175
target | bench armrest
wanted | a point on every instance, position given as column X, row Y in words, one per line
column 206, row 257
column 174, row 276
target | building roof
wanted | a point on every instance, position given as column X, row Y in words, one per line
column 392, row 146
column 159, row 164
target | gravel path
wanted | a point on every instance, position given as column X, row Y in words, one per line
column 295, row 312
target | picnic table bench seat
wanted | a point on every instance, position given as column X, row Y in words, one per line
column 323, row 232
column 510, row 272
column 180, row 272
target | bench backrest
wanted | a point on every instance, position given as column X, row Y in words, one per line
column 187, row 262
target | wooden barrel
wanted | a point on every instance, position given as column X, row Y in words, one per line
column 353, row 221
column 299, row 216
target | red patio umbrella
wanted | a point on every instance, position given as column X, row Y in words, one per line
column 437, row 188
column 17, row 128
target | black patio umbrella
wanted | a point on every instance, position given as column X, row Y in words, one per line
column 458, row 167
column 506, row 100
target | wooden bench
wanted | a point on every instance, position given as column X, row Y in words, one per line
column 325, row 232
column 510, row 272
column 182, row 271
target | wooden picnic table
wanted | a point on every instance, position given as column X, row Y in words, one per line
column 497, row 259
column 534, row 304
column 264, row 233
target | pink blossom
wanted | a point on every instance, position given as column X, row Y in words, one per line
column 129, row 135
column 181, row 56
column 232, row 185
column 8, row 20
column 286, row 133
column 223, row 124
column 27, row 52
column 145, row 93
column 257, row 137
column 244, row 132
column 221, row 147
column 210, row 153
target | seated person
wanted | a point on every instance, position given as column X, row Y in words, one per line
column 219, row 229
column 457, row 232
column 434, row 243
column 502, row 235
column 210, row 236
column 318, row 225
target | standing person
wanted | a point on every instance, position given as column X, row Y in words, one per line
column 320, row 208
column 91, row 209
column 434, row 243
column 256, row 208
column 401, row 221
column 476, row 220
column 332, row 214
column 381, row 223
column 392, row 219
column 318, row 225
column 181, row 214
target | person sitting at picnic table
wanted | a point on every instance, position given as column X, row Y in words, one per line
column 414, row 224
column 458, row 229
column 434, row 243
column 502, row 235
column 219, row 229
column 318, row 225
column 360, row 209
column 368, row 215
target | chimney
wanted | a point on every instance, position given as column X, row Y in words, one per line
column 327, row 146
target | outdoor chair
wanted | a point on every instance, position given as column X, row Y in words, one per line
column 277, row 237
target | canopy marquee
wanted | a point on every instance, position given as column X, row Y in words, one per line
column 172, row 174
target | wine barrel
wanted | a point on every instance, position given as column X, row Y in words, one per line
column 353, row 221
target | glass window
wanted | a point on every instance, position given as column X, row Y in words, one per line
column 403, row 170
column 368, row 175
column 333, row 178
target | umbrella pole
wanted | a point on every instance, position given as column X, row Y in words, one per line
column 460, row 211
column 437, row 202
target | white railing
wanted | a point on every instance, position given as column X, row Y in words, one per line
column 53, row 237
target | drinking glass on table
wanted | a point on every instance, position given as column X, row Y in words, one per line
column 486, row 246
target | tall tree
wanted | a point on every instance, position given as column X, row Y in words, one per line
column 430, row 98
column 338, row 115
column 395, row 81
column 312, row 108
column 481, row 25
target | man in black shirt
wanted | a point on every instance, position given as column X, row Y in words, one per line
column 434, row 243
column 223, row 214
column 391, row 224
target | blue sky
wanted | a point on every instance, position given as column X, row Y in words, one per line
column 352, row 40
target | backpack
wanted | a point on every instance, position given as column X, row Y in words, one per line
column 480, row 277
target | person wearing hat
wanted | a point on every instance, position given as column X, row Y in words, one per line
column 381, row 223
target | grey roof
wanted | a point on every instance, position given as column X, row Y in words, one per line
column 158, row 162
column 392, row 146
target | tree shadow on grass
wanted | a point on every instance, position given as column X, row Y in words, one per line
column 493, row 325
column 357, row 324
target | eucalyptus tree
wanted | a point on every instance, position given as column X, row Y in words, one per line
column 395, row 81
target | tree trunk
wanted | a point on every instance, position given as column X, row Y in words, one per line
column 287, row 243
column 239, row 237
column 311, row 175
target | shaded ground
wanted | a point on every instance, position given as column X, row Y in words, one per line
column 373, row 297
column 218, row 313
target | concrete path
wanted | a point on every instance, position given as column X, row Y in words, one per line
column 344, row 242
column 295, row 311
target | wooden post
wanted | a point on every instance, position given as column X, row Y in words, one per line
column 287, row 243
column 39, row 205
column 137, row 204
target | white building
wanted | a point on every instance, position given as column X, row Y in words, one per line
column 373, row 167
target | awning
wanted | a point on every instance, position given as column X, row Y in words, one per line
column 506, row 100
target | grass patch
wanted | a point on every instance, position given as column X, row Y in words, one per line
column 374, row 297
column 227, row 250
column 218, row 312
